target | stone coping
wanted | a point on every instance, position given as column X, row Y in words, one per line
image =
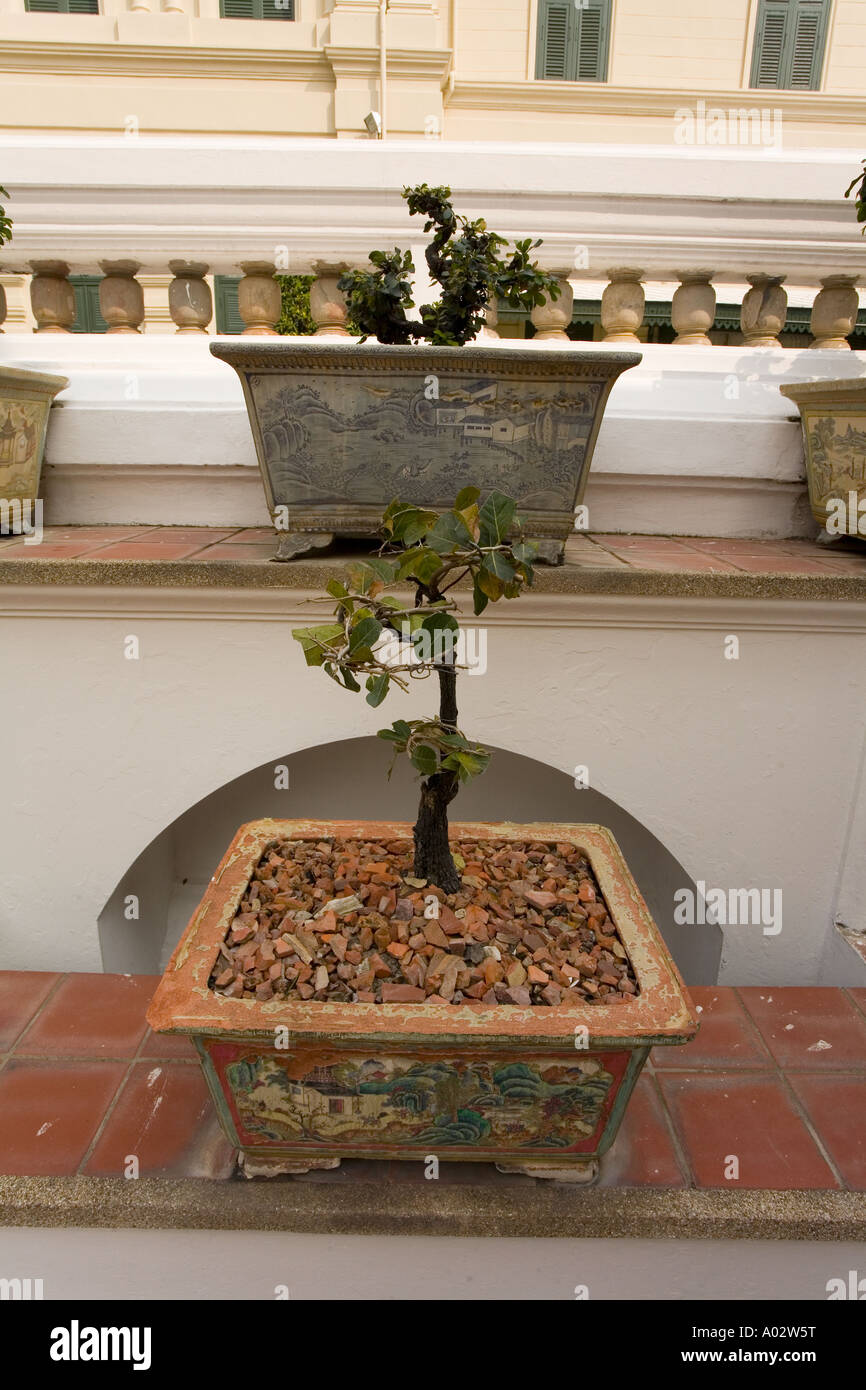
column 372, row 1208
column 626, row 566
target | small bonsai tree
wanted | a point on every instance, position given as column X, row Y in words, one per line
column 377, row 637
column 464, row 258
column 859, row 182
column 5, row 221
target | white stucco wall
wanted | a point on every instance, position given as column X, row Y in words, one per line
column 748, row 771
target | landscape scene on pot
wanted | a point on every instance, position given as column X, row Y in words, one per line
column 386, row 1100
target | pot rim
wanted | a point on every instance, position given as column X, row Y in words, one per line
column 825, row 392
column 661, row 1012
column 268, row 355
column 24, row 378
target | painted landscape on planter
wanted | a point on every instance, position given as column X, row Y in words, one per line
column 21, row 424
column 437, row 1104
column 383, row 432
column 838, row 450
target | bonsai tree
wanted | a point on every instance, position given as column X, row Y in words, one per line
column 378, row 638
column 464, row 258
column 859, row 182
column 5, row 221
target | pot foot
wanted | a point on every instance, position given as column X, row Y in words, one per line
column 295, row 543
column 253, row 1166
column 550, row 552
column 581, row 1171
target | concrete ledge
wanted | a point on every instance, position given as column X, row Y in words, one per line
column 374, row 1208
column 313, row 575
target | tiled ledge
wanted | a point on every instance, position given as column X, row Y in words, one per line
column 656, row 566
column 776, row 1077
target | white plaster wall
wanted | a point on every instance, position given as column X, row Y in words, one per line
column 129, row 1264
column 747, row 771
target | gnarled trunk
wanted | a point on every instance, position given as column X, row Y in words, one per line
column 433, row 859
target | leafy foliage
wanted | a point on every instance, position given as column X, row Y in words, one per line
column 464, row 258
column 382, row 639
column 859, row 182
column 5, row 220
column 295, row 317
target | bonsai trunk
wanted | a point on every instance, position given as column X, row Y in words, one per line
column 433, row 859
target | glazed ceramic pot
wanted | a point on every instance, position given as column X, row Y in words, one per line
column 537, row 1090
column 833, row 416
column 25, row 400
column 341, row 429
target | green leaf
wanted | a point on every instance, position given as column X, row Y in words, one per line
column 467, row 763
column 500, row 565
column 363, row 634
column 420, row 562
column 316, row 641
column 336, row 588
column 399, row 732
column 425, row 759
column 466, row 497
column 496, row 518
column 489, row 584
column 479, row 598
column 449, row 534
column 407, row 525
column 377, row 687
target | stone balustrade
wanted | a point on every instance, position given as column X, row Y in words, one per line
column 763, row 313
column 166, row 214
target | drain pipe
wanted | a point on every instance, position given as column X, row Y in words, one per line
column 452, row 44
column 383, row 68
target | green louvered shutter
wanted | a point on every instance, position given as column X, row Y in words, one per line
column 257, row 9
column 790, row 37
column 88, row 318
column 228, row 317
column 63, row 6
column 573, row 40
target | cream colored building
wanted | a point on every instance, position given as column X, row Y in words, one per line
column 576, row 70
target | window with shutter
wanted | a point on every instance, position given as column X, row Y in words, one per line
column 227, row 314
column 257, row 9
column 790, row 37
column 63, row 6
column 573, row 39
column 88, row 318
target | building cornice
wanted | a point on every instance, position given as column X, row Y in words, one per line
column 162, row 60
column 822, row 108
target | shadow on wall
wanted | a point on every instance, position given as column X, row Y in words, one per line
column 347, row 781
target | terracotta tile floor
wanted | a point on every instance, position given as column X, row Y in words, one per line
column 85, row 1085
column 257, row 544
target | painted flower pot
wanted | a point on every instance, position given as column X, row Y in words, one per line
column 833, row 416
column 341, row 429
column 25, row 400
column 538, row 1090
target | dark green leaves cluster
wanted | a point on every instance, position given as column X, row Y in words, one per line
column 859, row 182
column 464, row 258
column 5, row 221
column 432, row 749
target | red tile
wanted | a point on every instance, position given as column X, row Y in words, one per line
column 836, row 1106
column 170, row 535
column 726, row 1038
column 252, row 535
column 164, row 1116
column 21, row 994
column 144, row 550
column 794, row 1022
column 62, row 550
column 859, row 998
column 168, row 1046
column 50, row 1112
column 91, row 1016
column 750, row 1118
column 643, row 1153
column 99, row 535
